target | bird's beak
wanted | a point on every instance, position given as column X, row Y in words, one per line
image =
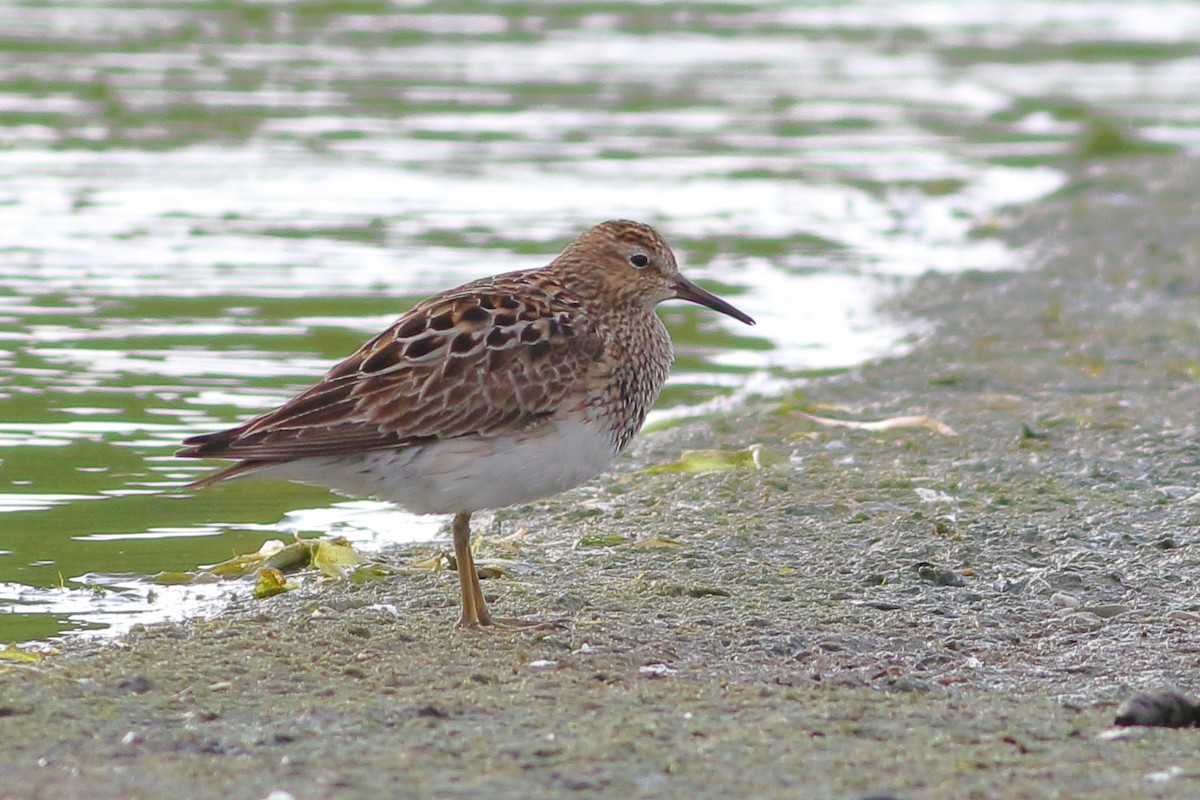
column 686, row 290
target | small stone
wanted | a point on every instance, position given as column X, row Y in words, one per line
column 135, row 684
column 431, row 711
column 657, row 671
column 1166, row 709
column 1065, row 600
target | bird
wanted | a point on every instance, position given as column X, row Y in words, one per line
column 495, row 393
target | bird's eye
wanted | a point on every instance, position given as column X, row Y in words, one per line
column 639, row 260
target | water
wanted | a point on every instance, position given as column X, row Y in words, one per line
column 204, row 204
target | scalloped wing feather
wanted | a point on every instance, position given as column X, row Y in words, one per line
column 482, row 359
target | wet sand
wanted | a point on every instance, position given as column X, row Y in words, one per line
column 884, row 613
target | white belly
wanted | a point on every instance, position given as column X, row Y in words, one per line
column 468, row 474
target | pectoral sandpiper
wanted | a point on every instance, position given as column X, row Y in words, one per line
column 498, row 392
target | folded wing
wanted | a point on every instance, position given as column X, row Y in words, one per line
column 488, row 357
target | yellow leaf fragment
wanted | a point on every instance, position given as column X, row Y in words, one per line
column 334, row 558
column 656, row 541
column 917, row 421
column 236, row 567
column 369, row 572
column 433, row 562
column 12, row 653
column 293, row 556
column 273, row 554
column 693, row 461
column 271, row 582
column 601, row 540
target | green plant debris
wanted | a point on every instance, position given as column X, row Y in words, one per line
column 297, row 555
column 1103, row 138
column 271, row 582
column 657, row 541
column 13, row 654
column 602, row 540
column 335, row 558
column 246, row 563
column 369, row 572
column 696, row 461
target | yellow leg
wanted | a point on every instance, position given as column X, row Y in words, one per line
column 475, row 612
column 474, row 608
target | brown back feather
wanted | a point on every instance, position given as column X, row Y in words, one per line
column 474, row 361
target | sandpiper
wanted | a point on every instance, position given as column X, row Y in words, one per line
column 495, row 393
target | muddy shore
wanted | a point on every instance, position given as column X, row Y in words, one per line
column 900, row 613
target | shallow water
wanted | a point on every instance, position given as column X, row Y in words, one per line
column 204, row 204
